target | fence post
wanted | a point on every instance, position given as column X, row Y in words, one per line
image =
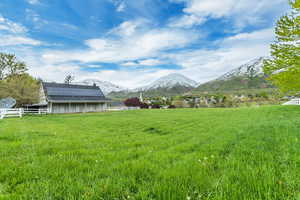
column 20, row 112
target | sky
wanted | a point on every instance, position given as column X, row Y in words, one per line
column 133, row 42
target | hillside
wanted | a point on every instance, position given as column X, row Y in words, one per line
column 181, row 154
column 249, row 76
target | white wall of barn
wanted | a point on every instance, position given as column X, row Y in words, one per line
column 77, row 107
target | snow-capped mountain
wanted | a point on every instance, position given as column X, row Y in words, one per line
column 169, row 81
column 252, row 68
column 105, row 86
column 247, row 76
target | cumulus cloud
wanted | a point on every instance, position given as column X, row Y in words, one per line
column 242, row 12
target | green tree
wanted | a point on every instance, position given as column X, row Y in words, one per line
column 22, row 87
column 284, row 66
column 15, row 82
column 9, row 66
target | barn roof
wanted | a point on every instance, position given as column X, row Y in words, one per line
column 59, row 92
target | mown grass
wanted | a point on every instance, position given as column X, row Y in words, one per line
column 245, row 153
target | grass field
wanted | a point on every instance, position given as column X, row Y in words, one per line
column 246, row 153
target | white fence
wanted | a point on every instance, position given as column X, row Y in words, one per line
column 293, row 102
column 11, row 113
column 122, row 108
column 19, row 112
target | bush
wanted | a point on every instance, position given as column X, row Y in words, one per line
column 133, row 102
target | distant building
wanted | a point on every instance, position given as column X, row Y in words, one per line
column 68, row 98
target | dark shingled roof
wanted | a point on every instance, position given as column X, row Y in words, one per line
column 58, row 92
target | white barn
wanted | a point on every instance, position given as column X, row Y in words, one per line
column 69, row 98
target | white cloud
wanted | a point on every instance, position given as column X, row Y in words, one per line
column 128, row 28
column 242, row 12
column 119, row 4
column 10, row 26
column 121, row 7
column 11, row 40
column 151, row 62
column 146, row 62
column 186, row 21
column 33, row 2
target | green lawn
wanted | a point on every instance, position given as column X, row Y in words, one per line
column 246, row 153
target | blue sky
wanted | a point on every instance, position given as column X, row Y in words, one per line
column 133, row 42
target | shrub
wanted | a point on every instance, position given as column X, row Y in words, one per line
column 133, row 102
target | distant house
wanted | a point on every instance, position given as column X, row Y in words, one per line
column 69, row 98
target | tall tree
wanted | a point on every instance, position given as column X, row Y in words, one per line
column 284, row 66
column 10, row 66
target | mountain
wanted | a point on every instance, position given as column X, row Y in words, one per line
column 245, row 77
column 250, row 69
column 169, row 81
column 170, row 85
column 105, row 86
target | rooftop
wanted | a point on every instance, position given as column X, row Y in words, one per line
column 61, row 92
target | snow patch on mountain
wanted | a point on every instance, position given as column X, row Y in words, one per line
column 250, row 69
column 169, row 81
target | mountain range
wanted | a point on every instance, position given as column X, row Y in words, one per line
column 247, row 76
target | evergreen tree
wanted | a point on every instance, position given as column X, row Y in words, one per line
column 284, row 66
